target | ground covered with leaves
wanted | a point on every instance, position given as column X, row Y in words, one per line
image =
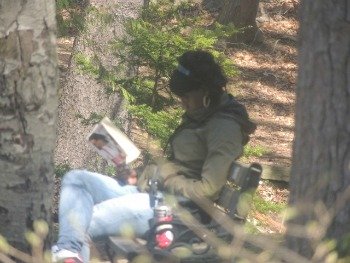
column 266, row 85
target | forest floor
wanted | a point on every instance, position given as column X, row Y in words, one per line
column 266, row 84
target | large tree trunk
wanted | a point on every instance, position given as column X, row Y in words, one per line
column 82, row 94
column 320, row 179
column 28, row 103
column 242, row 14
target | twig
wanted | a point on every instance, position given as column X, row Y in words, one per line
column 20, row 255
column 5, row 259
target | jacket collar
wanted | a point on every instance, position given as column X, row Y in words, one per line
column 227, row 108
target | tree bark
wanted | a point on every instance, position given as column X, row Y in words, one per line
column 320, row 176
column 242, row 15
column 28, row 103
column 83, row 94
column 212, row 5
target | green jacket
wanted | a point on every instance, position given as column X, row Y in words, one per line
column 202, row 150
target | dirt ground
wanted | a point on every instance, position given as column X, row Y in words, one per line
column 267, row 80
column 266, row 85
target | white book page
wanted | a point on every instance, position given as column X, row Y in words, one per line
column 116, row 147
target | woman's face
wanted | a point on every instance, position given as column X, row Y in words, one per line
column 98, row 143
column 192, row 100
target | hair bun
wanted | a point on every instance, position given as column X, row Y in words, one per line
column 205, row 72
column 197, row 61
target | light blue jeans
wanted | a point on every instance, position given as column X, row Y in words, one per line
column 94, row 206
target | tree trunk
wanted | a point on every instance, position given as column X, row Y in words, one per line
column 212, row 5
column 83, row 94
column 242, row 14
column 28, row 103
column 320, row 176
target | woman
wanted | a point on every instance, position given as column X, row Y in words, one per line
column 212, row 134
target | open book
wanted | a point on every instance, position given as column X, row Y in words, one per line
column 112, row 144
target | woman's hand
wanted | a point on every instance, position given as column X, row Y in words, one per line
column 132, row 177
column 126, row 175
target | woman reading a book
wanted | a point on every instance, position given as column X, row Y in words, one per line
column 211, row 136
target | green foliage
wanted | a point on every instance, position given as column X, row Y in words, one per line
column 152, row 43
column 159, row 124
column 343, row 246
column 70, row 16
column 254, row 151
column 100, row 16
column 151, row 46
column 264, row 206
column 86, row 64
column 110, row 170
column 251, row 228
column 61, row 169
column 94, row 118
column 164, row 32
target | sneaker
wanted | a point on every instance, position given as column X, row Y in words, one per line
column 65, row 256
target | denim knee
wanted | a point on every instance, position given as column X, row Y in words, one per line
column 73, row 177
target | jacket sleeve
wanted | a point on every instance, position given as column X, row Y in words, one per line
column 223, row 138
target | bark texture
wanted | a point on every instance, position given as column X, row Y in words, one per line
column 212, row 4
column 28, row 78
column 320, row 177
column 82, row 94
column 242, row 14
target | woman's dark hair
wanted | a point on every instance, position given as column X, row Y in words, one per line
column 198, row 70
column 97, row 136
